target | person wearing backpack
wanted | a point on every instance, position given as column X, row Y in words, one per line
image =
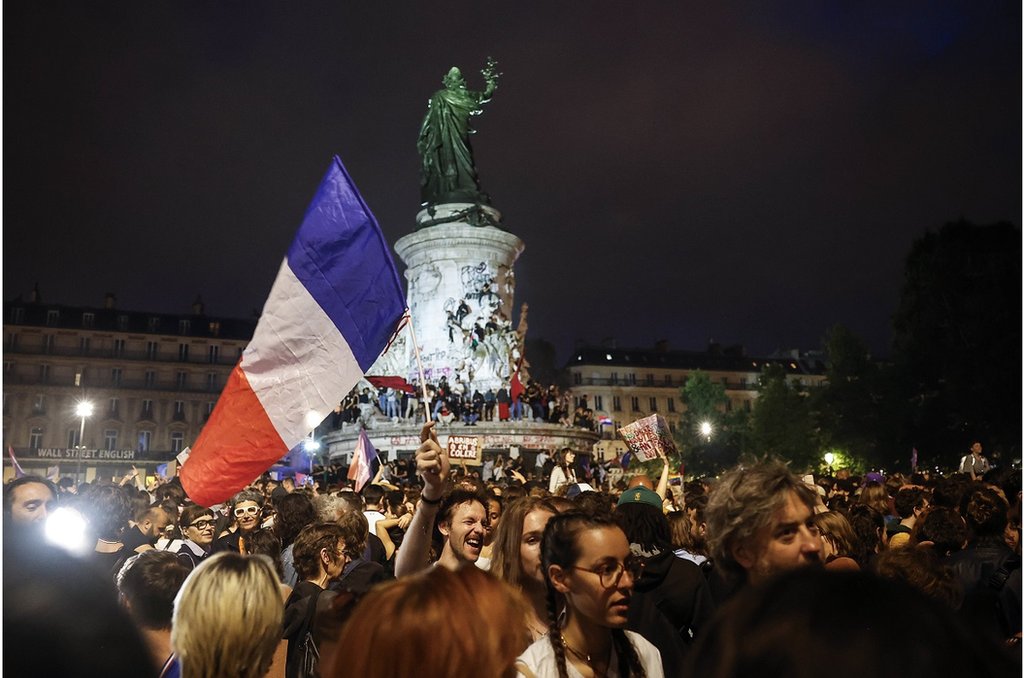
column 314, row 614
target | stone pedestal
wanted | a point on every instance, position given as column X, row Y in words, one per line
column 460, row 290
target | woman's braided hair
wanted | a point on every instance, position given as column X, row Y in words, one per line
column 561, row 547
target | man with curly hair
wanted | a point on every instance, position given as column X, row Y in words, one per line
column 759, row 523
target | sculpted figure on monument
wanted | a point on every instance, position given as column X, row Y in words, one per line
column 447, row 170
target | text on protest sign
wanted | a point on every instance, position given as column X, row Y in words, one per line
column 649, row 438
column 464, row 447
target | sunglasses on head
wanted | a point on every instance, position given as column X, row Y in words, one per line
column 251, row 510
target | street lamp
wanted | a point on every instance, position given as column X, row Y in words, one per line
column 83, row 410
column 829, row 458
column 311, row 446
column 706, row 429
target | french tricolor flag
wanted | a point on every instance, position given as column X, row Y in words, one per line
column 336, row 302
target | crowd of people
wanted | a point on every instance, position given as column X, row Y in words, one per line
column 448, row 573
column 454, row 403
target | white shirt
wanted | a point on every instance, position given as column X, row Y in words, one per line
column 373, row 517
column 540, row 658
column 559, row 478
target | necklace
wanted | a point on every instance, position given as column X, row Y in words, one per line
column 570, row 648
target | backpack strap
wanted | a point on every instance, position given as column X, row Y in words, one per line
column 998, row 579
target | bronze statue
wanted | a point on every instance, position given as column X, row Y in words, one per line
column 447, row 170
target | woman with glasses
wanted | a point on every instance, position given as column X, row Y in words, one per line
column 197, row 529
column 590, row 573
column 246, row 510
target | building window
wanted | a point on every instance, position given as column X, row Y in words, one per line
column 728, row 405
column 577, row 378
column 650, row 380
column 743, row 382
column 88, row 319
column 152, row 350
column 48, row 343
column 598, row 402
column 672, row 426
column 184, row 326
column 80, row 375
column 668, row 380
column 118, row 348
column 39, row 405
column 632, row 378
column 634, row 403
column 8, row 369
column 616, row 403
column 52, row 317
column 83, row 345
column 179, row 410
column 671, row 404
column 110, row 439
column 44, row 374
column 116, row 375
column 181, row 379
column 177, row 441
column 35, row 438
column 211, row 381
column 73, row 438
column 746, row 405
column 183, row 352
column 613, row 378
column 214, row 354
column 12, row 341
column 145, row 441
column 241, row 349
column 150, row 379
column 122, row 323
column 115, row 406
column 147, row 409
column 214, row 328
column 725, row 382
column 18, row 315
column 653, row 402
column 209, row 410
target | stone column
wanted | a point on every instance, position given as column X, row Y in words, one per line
column 461, row 284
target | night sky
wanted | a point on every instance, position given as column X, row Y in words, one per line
column 747, row 172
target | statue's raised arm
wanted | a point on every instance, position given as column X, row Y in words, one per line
column 447, row 169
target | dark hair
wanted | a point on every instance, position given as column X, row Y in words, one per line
column 456, row 498
column 908, row 499
column 985, row 513
column 868, row 526
column 107, row 509
column 294, row 511
column 263, row 542
column 352, row 500
column 10, row 487
column 593, row 502
column 355, row 530
column 372, row 494
column 646, row 526
column 792, row 623
column 311, row 540
column 191, row 513
column 149, row 582
column 921, row 569
column 943, row 527
column 561, row 547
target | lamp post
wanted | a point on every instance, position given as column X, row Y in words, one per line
column 311, row 446
column 83, row 410
column 706, row 429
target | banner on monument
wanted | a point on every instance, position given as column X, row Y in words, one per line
column 649, row 438
column 464, row 447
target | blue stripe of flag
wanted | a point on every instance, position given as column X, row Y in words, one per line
column 340, row 256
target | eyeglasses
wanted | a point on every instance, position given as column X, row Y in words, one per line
column 251, row 510
column 611, row 574
column 202, row 524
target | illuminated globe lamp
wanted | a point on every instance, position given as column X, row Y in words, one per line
column 706, row 429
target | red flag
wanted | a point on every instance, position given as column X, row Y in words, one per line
column 397, row 383
column 517, row 386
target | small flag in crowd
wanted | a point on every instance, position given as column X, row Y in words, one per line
column 625, row 459
column 362, row 469
column 52, row 473
column 336, row 302
column 18, row 471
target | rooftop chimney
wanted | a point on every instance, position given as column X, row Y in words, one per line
column 197, row 306
column 110, row 301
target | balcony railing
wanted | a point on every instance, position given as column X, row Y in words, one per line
column 110, row 354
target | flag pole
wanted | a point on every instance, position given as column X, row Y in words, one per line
column 419, row 366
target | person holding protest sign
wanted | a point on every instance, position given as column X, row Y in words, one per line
column 462, row 514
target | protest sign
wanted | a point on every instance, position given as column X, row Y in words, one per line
column 649, row 438
column 464, row 447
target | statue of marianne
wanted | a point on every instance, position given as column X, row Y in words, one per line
column 447, row 170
